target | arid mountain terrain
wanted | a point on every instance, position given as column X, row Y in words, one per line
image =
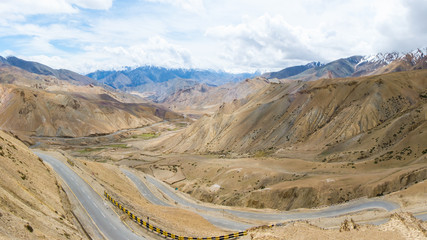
column 199, row 99
column 33, row 203
column 401, row 226
column 340, row 128
column 204, row 99
column 41, row 69
column 261, row 146
column 156, row 83
column 291, row 71
column 356, row 66
column 43, row 105
column 316, row 115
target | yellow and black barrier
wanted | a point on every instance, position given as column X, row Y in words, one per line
column 70, row 162
column 168, row 234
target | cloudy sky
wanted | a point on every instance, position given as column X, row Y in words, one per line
column 231, row 35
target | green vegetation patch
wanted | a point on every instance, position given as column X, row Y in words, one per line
column 181, row 124
column 118, row 145
column 262, row 153
column 146, row 136
column 89, row 150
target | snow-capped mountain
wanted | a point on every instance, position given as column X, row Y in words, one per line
column 380, row 58
column 386, row 58
column 356, row 66
column 415, row 56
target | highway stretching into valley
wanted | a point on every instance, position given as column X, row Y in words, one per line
column 337, row 210
column 218, row 221
column 105, row 219
column 111, row 227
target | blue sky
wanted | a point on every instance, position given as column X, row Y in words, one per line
column 231, row 35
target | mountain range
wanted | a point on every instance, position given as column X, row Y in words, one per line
column 292, row 71
column 317, row 115
column 204, row 99
column 372, row 125
column 148, row 79
column 38, row 68
column 36, row 100
column 355, row 66
column 306, row 136
column 306, row 106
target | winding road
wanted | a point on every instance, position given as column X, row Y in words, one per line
column 105, row 219
column 218, row 221
column 111, row 227
column 337, row 210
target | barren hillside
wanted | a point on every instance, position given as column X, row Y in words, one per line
column 410, row 61
column 356, row 66
column 202, row 98
column 401, row 226
column 32, row 104
column 318, row 115
column 33, row 204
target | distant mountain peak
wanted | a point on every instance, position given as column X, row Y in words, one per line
column 354, row 66
column 387, row 58
column 38, row 68
column 415, row 56
column 161, row 82
column 381, row 58
column 314, row 64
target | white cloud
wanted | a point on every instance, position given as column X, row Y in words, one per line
column 238, row 35
column 18, row 9
column 93, row 4
column 156, row 52
column 316, row 30
column 264, row 41
column 401, row 26
column 194, row 6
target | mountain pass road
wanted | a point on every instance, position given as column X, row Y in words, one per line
column 218, row 221
column 337, row 210
column 108, row 223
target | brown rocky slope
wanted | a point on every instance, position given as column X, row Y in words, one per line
column 327, row 115
column 204, row 99
column 354, row 137
column 33, row 204
column 32, row 104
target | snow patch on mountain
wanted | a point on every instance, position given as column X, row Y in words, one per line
column 386, row 58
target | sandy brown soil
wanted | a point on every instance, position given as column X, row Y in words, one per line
column 33, row 204
column 39, row 105
column 401, row 226
column 270, row 182
column 296, row 145
column 202, row 99
column 106, row 176
column 217, row 177
column 378, row 118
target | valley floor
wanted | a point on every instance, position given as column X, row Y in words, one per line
column 254, row 184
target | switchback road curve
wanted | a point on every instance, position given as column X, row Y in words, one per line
column 337, row 210
column 218, row 221
column 108, row 223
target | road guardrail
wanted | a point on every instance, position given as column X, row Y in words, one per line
column 168, row 234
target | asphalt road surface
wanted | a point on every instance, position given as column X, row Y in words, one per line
column 337, row 210
column 218, row 221
column 111, row 226
column 108, row 223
